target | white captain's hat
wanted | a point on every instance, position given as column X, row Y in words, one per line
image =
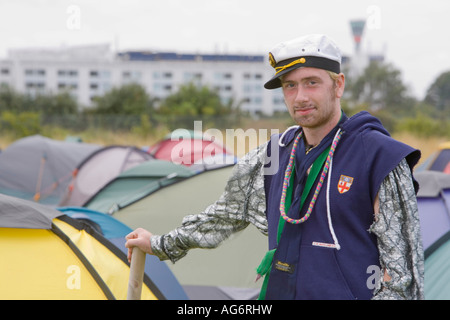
column 316, row 51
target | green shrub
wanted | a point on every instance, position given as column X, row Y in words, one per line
column 21, row 124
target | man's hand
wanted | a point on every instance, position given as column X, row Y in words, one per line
column 138, row 238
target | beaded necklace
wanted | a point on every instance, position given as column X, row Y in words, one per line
column 287, row 177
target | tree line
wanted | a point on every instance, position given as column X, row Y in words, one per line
column 379, row 89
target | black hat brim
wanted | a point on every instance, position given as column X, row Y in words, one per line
column 310, row 61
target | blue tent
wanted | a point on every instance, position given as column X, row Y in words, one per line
column 433, row 200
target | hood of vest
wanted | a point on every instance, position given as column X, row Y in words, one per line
column 362, row 121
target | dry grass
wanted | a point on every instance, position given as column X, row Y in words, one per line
column 240, row 140
column 106, row 138
column 426, row 145
column 99, row 137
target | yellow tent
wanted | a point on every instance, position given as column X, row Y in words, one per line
column 48, row 255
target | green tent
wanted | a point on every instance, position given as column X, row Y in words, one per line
column 437, row 270
column 136, row 183
column 226, row 272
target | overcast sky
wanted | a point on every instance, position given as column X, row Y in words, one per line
column 413, row 35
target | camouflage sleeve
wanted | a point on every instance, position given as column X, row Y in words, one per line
column 397, row 228
column 242, row 202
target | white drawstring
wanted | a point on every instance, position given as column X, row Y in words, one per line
column 330, row 224
column 280, row 143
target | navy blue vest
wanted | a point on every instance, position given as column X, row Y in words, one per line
column 306, row 264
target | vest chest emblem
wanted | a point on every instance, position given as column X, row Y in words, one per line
column 344, row 184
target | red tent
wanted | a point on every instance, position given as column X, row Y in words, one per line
column 187, row 147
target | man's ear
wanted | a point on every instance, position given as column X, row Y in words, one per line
column 340, row 85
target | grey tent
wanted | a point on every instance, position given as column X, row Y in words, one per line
column 17, row 213
column 98, row 169
column 39, row 168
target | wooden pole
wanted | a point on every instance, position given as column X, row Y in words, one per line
column 137, row 266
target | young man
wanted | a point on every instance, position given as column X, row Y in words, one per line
column 339, row 210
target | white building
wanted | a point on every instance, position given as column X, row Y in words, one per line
column 91, row 71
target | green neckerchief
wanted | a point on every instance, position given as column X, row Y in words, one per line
column 266, row 263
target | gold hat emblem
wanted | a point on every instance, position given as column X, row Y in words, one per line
column 272, row 61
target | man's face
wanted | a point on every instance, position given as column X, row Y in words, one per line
column 312, row 97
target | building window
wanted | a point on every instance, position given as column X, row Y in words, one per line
column 35, row 85
column 193, row 77
column 67, row 79
column 223, row 76
column 162, row 75
column 70, row 86
column 35, row 72
column 68, row 73
column 104, row 74
column 130, row 76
